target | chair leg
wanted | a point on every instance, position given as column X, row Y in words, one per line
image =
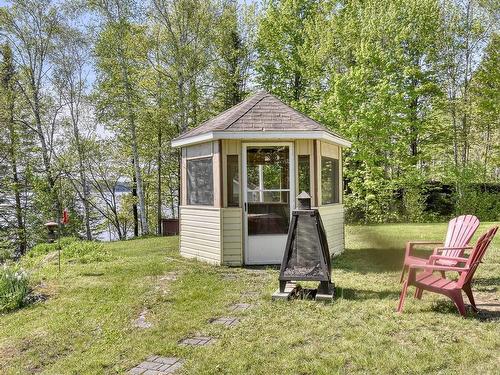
column 403, row 273
column 457, row 298
column 402, row 297
column 418, row 293
column 467, row 289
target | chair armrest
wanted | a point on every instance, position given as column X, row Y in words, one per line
column 424, row 242
column 411, row 244
column 443, row 248
column 433, row 267
column 457, row 259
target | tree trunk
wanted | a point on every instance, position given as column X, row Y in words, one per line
column 135, row 148
column 134, row 206
column 9, row 96
column 56, row 205
column 465, row 115
column 455, row 130
column 21, row 230
column 297, row 86
column 82, row 174
column 159, row 165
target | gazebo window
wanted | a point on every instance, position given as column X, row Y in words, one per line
column 304, row 169
column 200, row 182
column 329, row 180
column 233, row 181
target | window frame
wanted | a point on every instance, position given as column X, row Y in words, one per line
column 229, row 203
column 309, row 175
column 194, row 159
column 336, row 180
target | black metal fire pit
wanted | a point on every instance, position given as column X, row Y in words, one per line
column 306, row 256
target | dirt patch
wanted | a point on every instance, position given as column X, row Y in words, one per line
column 7, row 353
column 162, row 283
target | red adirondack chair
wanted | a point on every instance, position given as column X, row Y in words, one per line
column 460, row 231
column 427, row 280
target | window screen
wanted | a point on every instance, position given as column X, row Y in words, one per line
column 233, row 181
column 329, row 180
column 200, row 182
column 304, row 174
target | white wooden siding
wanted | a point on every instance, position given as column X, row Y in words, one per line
column 232, row 253
column 333, row 221
column 200, row 233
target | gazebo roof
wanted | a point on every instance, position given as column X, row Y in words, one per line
column 261, row 116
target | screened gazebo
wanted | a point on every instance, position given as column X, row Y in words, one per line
column 240, row 174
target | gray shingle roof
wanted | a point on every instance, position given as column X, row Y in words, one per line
column 260, row 112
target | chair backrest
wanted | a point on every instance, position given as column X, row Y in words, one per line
column 460, row 231
column 477, row 255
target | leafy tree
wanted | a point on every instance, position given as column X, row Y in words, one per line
column 69, row 78
column 8, row 94
column 486, row 96
column 121, row 54
column 233, row 45
column 31, row 28
column 281, row 44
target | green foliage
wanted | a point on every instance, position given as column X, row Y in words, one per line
column 468, row 198
column 85, row 252
column 96, row 304
column 6, row 251
column 413, row 189
column 413, row 84
column 14, row 287
column 283, row 64
column 485, row 205
column 72, row 250
column 46, row 248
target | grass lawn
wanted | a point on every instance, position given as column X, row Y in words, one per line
column 86, row 324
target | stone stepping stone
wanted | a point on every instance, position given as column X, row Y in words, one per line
column 240, row 307
column 197, row 341
column 226, row 321
column 169, row 276
column 257, row 272
column 141, row 321
column 230, row 276
column 156, row 365
column 250, row 293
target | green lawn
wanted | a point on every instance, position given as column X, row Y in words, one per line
column 85, row 325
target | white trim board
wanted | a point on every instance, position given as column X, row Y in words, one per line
column 261, row 135
column 264, row 242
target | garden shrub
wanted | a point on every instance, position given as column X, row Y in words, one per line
column 6, row 251
column 45, row 248
column 485, row 205
column 72, row 249
column 14, row 287
column 85, row 252
column 414, row 197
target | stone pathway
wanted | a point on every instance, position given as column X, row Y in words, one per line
column 196, row 341
column 163, row 282
column 257, row 272
column 240, row 307
column 230, row 276
column 226, row 321
column 156, row 365
column 141, row 321
column 250, row 293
